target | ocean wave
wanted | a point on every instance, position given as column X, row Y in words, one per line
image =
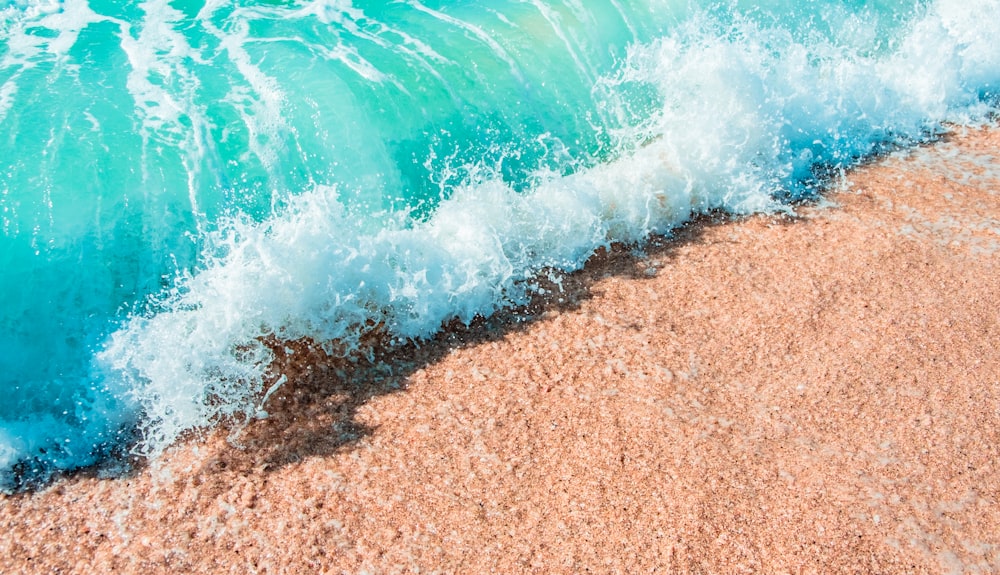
column 730, row 110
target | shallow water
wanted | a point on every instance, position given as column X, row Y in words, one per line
column 182, row 179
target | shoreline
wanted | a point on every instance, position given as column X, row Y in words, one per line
column 816, row 393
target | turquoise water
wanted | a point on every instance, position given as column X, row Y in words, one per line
column 180, row 179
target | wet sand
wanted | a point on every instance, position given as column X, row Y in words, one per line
column 807, row 394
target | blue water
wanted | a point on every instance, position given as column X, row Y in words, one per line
column 180, row 179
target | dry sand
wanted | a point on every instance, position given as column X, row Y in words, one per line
column 814, row 394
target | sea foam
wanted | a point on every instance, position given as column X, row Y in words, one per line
column 746, row 116
column 523, row 138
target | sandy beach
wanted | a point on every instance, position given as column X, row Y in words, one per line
column 807, row 393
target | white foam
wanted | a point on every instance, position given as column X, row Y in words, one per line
column 477, row 32
column 66, row 18
column 259, row 102
column 745, row 114
column 951, row 58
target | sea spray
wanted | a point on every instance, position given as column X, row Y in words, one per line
column 404, row 165
column 745, row 119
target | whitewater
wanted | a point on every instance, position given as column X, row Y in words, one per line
column 184, row 184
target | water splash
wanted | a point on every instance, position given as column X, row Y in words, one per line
column 215, row 175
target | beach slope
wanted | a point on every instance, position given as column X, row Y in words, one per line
column 809, row 393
